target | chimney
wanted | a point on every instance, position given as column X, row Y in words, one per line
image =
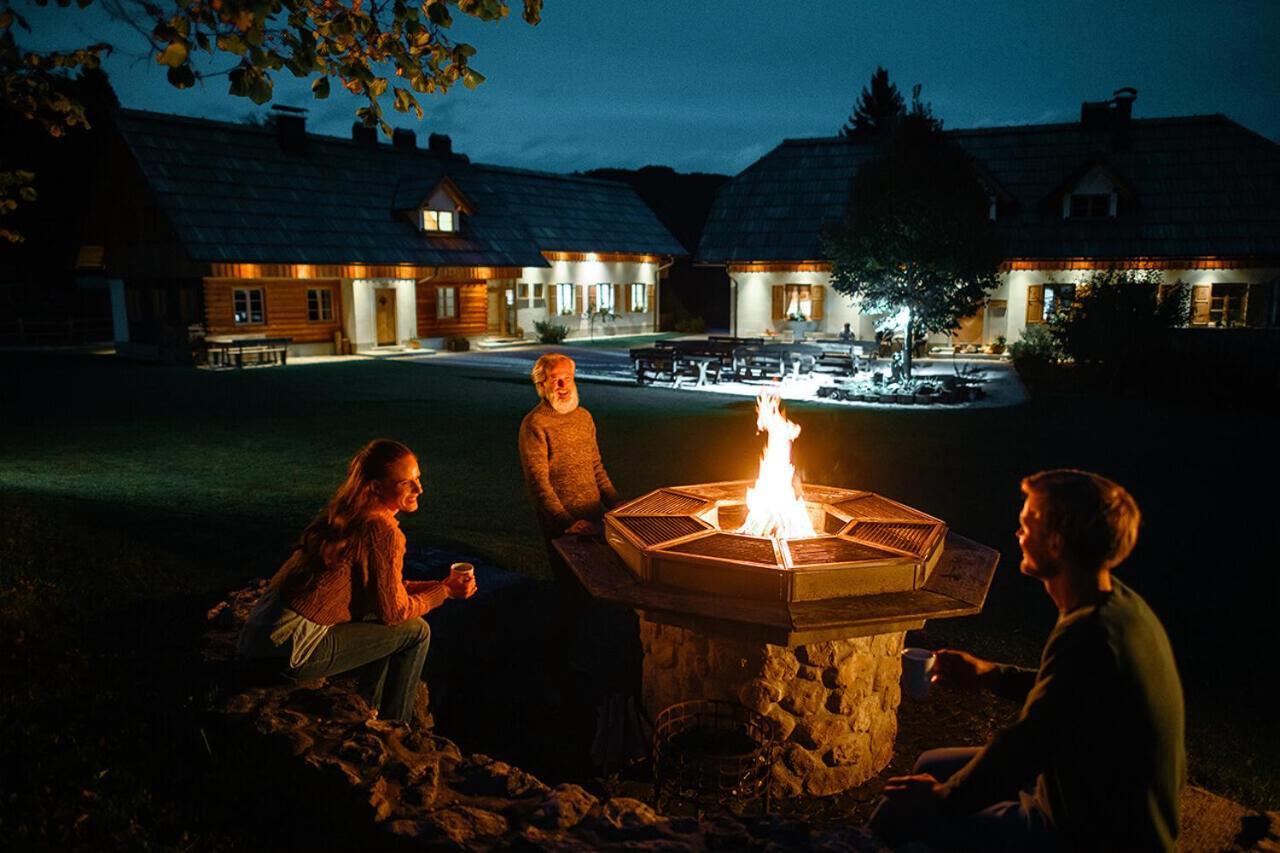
column 364, row 135
column 1123, row 100
column 440, row 144
column 291, row 128
column 404, row 139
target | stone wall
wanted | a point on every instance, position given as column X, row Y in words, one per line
column 835, row 703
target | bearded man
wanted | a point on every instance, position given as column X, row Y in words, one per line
column 563, row 471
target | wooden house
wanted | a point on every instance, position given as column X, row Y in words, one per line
column 1196, row 198
column 243, row 231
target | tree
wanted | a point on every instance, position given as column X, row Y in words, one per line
column 918, row 240
column 877, row 111
column 363, row 44
column 1118, row 321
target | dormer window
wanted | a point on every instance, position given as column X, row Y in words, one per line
column 439, row 220
column 1092, row 206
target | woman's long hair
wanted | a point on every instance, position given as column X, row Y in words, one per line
column 334, row 533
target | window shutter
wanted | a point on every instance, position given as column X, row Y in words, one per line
column 619, row 298
column 816, row 298
column 591, row 299
column 551, row 299
column 1200, row 296
column 779, row 298
column 1035, row 303
column 626, row 296
column 648, row 299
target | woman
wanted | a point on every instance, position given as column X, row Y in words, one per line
column 339, row 602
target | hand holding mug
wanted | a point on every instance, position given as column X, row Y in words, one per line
column 461, row 582
column 963, row 670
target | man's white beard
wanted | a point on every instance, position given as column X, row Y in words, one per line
column 563, row 407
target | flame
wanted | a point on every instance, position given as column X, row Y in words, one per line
column 773, row 508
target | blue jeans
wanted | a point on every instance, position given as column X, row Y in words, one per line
column 390, row 659
column 1013, row 825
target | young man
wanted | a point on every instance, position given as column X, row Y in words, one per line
column 1096, row 759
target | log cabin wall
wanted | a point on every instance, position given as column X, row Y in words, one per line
column 470, row 303
column 285, row 309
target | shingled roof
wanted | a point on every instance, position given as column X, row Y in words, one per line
column 233, row 195
column 1202, row 186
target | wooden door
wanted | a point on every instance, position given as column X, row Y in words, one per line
column 494, row 313
column 384, row 299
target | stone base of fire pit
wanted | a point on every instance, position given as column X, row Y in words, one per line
column 835, row 703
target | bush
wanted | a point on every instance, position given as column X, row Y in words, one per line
column 550, row 333
column 1119, row 320
column 1036, row 353
column 690, row 324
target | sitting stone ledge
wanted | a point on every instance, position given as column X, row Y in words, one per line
column 386, row 784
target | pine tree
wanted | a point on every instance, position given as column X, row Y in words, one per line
column 878, row 110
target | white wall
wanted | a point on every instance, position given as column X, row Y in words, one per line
column 588, row 274
column 359, row 314
column 755, row 304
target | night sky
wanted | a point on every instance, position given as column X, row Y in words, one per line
column 711, row 86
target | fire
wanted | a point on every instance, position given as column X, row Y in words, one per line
column 773, row 508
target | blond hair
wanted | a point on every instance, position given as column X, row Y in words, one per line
column 1097, row 518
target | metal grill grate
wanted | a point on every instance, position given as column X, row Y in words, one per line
column 664, row 503
column 912, row 538
column 874, row 506
column 733, row 491
column 652, row 529
column 726, row 546
column 811, row 552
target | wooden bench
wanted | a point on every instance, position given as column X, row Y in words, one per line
column 231, row 352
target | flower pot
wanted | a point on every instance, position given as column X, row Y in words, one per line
column 924, row 399
column 906, row 399
column 944, row 396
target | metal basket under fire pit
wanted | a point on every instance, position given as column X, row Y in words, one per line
column 712, row 755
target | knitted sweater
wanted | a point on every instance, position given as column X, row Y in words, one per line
column 350, row 590
column 562, row 468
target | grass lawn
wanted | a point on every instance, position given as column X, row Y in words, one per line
column 131, row 495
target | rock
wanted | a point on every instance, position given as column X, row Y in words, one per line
column 809, row 673
column 626, row 817
column 363, row 749
column 382, row 799
column 853, row 750
column 804, row 698
column 888, row 671
column 483, row 776
column 823, row 655
column 725, row 832
column 779, row 664
column 820, row 731
column 784, row 721
column 826, row 781
column 423, row 791
column 564, row 806
column 760, row 695
column 464, row 824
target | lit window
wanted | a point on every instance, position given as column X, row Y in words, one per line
column 604, row 297
column 639, row 297
column 446, row 303
column 565, row 301
column 247, row 305
column 1090, row 206
column 319, row 305
column 537, row 290
column 798, row 302
column 1227, row 304
column 438, row 220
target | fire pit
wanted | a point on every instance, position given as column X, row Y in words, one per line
column 789, row 599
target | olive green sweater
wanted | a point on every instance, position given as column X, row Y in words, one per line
column 1101, row 732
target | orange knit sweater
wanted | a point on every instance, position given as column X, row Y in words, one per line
column 350, row 590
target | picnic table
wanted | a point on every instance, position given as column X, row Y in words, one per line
column 228, row 352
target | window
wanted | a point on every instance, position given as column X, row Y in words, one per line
column 438, row 220
column 530, row 294
column 319, row 304
column 798, row 304
column 1227, row 304
column 247, row 305
column 1043, row 300
column 1091, row 206
column 604, row 298
column 446, row 303
column 565, row 300
column 639, row 298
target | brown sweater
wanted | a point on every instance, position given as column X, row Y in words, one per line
column 350, row 590
column 562, row 468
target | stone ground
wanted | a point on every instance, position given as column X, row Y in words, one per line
column 496, row 690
